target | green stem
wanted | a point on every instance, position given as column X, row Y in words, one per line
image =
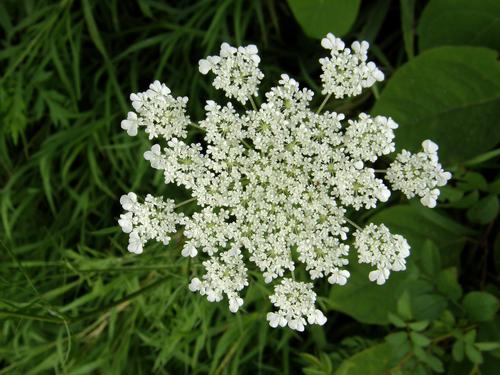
column 353, row 223
column 323, row 103
column 253, row 104
column 183, row 203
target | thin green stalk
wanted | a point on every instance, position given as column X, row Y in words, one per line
column 323, row 103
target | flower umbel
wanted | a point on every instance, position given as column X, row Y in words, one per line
column 273, row 183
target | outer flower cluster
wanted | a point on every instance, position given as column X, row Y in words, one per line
column 419, row 174
column 273, row 183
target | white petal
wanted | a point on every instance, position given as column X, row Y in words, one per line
column 204, row 66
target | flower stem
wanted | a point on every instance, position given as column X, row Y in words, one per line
column 253, row 104
column 323, row 103
column 353, row 223
column 185, row 202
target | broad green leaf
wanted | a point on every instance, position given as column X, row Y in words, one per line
column 460, row 22
column 484, row 211
column 450, row 95
column 480, row 306
column 373, row 360
column 430, row 261
column 319, row 17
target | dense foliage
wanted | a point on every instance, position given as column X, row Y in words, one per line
column 74, row 301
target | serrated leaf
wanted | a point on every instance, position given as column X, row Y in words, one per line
column 427, row 100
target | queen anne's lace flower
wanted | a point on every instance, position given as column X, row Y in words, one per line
column 159, row 112
column 378, row 247
column 419, row 174
column 236, row 71
column 295, row 303
column 153, row 219
column 225, row 274
column 273, row 184
column 346, row 72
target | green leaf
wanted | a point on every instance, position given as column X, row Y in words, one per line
column 407, row 19
column 471, row 181
column 487, row 346
column 460, row 22
column 400, row 345
column 426, row 304
column 484, row 211
column 419, row 326
column 447, row 283
column 373, row 360
column 450, row 95
column 480, row 306
column 404, row 306
column 473, row 354
column 467, row 201
column 396, row 320
column 419, row 339
column 458, row 350
column 430, row 260
column 319, row 17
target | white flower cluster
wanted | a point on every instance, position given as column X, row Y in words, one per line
column 346, row 72
column 236, row 71
column 419, row 174
column 273, row 183
column 226, row 274
column 154, row 219
column 295, row 302
column 159, row 112
column 378, row 247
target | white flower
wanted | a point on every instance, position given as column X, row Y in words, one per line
column 274, row 184
column 346, row 72
column 378, row 247
column 130, row 124
column 236, row 71
column 225, row 274
column 368, row 138
column 295, row 303
column 158, row 112
column 419, row 174
column 153, row 219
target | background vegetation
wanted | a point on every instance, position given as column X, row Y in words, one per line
column 73, row 301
